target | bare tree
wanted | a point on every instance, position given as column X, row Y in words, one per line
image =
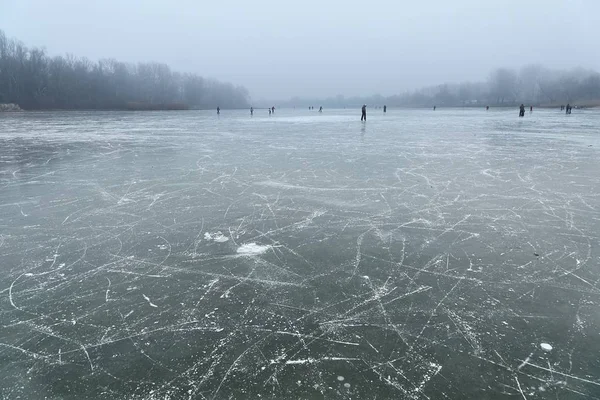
column 503, row 85
column 33, row 80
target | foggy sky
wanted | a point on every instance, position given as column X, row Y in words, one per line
column 310, row 48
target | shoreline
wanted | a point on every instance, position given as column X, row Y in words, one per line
column 584, row 106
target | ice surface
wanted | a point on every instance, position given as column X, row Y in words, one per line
column 420, row 255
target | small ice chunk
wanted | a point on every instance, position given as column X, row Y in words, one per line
column 220, row 238
column 216, row 237
column 251, row 249
column 347, row 385
column 546, row 347
column 340, row 378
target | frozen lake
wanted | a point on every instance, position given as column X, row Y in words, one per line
column 422, row 255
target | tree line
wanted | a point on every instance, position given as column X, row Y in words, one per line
column 34, row 80
column 531, row 85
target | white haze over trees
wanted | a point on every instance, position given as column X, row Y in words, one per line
column 532, row 85
column 31, row 79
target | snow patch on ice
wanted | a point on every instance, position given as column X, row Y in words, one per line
column 251, row 249
column 216, row 237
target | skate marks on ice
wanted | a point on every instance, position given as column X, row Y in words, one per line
column 421, row 265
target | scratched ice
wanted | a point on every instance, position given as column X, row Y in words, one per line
column 419, row 256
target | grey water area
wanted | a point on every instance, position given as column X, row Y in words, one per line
column 183, row 255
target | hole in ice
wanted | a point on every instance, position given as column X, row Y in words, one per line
column 252, row 249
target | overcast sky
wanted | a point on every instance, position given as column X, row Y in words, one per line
column 310, row 48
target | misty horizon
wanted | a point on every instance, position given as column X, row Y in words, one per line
column 317, row 49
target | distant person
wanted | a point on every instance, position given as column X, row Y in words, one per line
column 218, row 110
column 251, row 111
column 273, row 109
column 522, row 111
column 530, row 109
column 487, row 108
column 434, row 107
column 384, row 108
column 568, row 108
column 364, row 113
column 562, row 107
column 269, row 111
column 321, row 109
